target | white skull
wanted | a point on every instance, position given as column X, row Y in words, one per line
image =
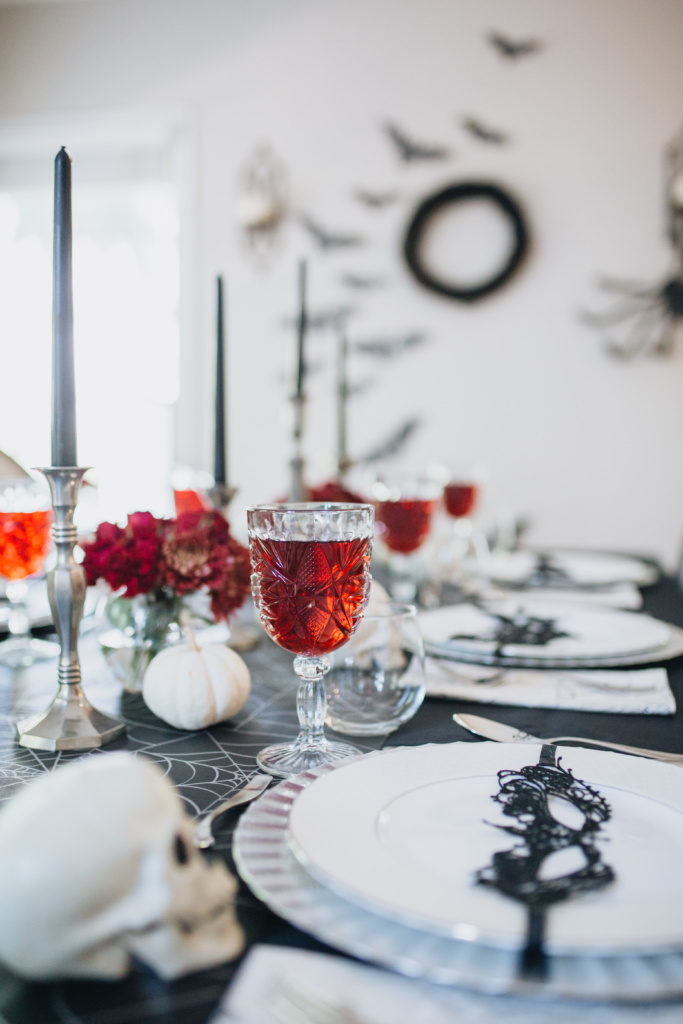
column 97, row 864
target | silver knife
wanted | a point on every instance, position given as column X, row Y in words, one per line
column 491, row 730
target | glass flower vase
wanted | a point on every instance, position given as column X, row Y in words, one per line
column 137, row 629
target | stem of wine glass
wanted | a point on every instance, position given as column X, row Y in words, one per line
column 18, row 622
column 403, row 570
column 311, row 701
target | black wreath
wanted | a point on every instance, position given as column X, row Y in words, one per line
column 464, row 191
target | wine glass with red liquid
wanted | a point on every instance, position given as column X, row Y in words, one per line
column 461, row 496
column 310, row 580
column 404, row 508
column 25, row 522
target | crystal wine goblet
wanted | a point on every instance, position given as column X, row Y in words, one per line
column 461, row 495
column 25, row 521
column 404, row 508
column 310, row 580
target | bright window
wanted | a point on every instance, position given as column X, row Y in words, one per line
column 126, row 334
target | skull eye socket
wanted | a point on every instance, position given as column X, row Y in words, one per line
column 182, row 854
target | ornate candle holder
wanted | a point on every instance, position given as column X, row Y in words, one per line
column 70, row 722
column 220, row 496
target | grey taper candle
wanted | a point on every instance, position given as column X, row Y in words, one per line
column 220, row 461
column 63, row 383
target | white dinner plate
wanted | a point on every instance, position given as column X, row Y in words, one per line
column 404, row 835
column 574, row 569
column 266, row 862
column 568, row 633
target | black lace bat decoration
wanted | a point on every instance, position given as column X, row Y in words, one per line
column 482, row 132
column 527, row 795
column 547, row 573
column 361, row 282
column 375, row 200
column 393, row 445
column 513, row 49
column 409, row 150
column 642, row 321
column 389, row 348
column 518, row 629
column 328, row 240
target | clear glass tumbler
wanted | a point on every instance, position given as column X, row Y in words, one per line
column 310, row 581
column 377, row 680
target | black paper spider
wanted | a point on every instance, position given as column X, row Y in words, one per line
column 645, row 318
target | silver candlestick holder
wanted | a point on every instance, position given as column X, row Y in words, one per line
column 220, row 496
column 70, row 722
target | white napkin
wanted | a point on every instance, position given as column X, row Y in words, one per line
column 379, row 997
column 636, row 692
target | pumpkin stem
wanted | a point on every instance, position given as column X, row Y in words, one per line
column 191, row 638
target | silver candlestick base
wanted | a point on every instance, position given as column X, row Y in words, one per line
column 220, row 497
column 70, row 722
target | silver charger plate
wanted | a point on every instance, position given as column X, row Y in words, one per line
column 583, row 570
column 268, row 865
column 673, row 648
column 542, row 632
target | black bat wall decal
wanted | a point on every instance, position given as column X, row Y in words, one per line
column 511, row 49
column 359, row 387
column 392, row 445
column 361, row 283
column 409, row 150
column 387, row 348
column 328, row 240
column 375, row 200
column 482, row 132
column 322, row 319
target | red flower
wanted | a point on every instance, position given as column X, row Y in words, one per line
column 333, row 491
column 195, row 550
column 126, row 556
column 232, row 594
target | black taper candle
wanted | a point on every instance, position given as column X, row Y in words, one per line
column 342, row 400
column 301, row 334
column 63, row 382
column 220, row 468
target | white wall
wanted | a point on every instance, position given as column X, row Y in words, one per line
column 586, row 446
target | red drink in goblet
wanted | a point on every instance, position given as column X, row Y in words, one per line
column 311, row 593
column 24, row 542
column 311, row 578
column 404, row 524
column 460, row 499
column 25, row 520
column 188, row 500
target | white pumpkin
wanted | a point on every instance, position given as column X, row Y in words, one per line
column 191, row 687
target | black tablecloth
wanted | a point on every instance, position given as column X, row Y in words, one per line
column 208, row 764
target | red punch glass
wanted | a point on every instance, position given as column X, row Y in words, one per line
column 405, row 504
column 25, row 539
column 466, row 545
column 460, row 499
column 310, row 580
